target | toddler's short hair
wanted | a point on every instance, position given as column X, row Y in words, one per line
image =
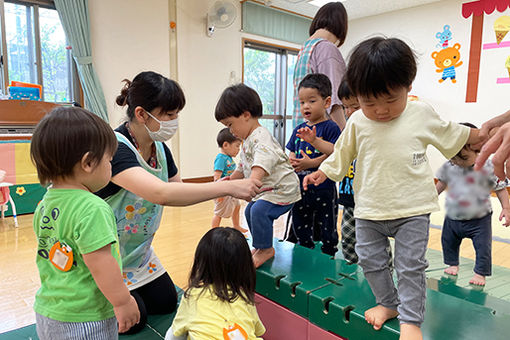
column 63, row 136
column 225, row 136
column 473, row 126
column 379, row 65
column 343, row 89
column 317, row 81
column 237, row 99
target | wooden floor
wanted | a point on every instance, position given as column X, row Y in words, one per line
column 175, row 243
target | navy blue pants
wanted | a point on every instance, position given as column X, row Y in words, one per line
column 317, row 207
column 260, row 215
column 479, row 231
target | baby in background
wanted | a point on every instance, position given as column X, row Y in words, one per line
column 224, row 166
column 469, row 211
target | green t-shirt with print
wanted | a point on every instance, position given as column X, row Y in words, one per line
column 85, row 223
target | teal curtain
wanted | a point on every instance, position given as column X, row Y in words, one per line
column 269, row 22
column 74, row 15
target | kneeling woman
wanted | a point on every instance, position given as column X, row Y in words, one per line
column 144, row 179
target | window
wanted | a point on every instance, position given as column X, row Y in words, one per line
column 269, row 70
column 35, row 50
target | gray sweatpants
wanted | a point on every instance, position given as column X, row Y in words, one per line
column 411, row 236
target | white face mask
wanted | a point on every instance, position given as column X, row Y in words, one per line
column 167, row 129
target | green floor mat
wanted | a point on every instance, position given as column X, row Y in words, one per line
column 156, row 328
column 497, row 285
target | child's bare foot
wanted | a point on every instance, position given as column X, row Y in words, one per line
column 241, row 229
column 452, row 270
column 410, row 332
column 262, row 255
column 477, row 280
column 377, row 316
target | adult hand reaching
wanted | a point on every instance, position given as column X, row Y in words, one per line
column 499, row 145
column 488, row 129
column 493, row 123
column 245, row 189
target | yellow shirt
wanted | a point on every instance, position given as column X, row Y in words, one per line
column 393, row 177
column 203, row 316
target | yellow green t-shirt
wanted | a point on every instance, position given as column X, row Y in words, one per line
column 203, row 316
column 393, row 176
column 85, row 223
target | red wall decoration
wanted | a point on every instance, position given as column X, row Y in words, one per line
column 478, row 9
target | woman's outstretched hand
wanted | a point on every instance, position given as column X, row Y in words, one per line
column 245, row 189
column 499, row 145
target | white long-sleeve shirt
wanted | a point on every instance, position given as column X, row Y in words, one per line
column 393, row 176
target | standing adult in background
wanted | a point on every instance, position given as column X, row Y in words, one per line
column 320, row 54
column 144, row 179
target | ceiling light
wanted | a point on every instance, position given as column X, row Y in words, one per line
column 320, row 3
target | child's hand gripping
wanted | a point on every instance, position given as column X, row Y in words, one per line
column 305, row 162
column 315, row 178
column 306, row 134
column 505, row 213
column 300, row 164
column 127, row 314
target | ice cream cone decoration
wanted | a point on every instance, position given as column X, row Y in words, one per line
column 507, row 64
column 501, row 27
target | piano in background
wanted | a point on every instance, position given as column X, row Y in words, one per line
column 18, row 118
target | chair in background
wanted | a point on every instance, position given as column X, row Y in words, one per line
column 5, row 197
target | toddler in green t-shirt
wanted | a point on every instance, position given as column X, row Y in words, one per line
column 82, row 292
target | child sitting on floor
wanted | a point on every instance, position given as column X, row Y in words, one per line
column 82, row 294
column 469, row 211
column 224, row 166
column 220, row 300
column 393, row 187
column 262, row 158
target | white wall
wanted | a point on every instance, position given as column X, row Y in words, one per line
column 418, row 26
column 205, row 65
column 128, row 37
